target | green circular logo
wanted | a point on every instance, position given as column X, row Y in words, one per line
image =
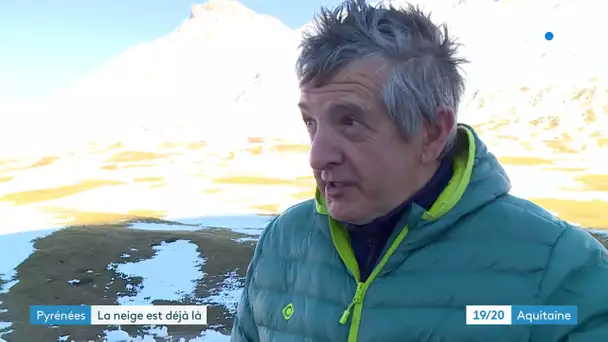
column 288, row 311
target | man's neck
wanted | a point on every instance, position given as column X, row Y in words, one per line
column 369, row 240
column 430, row 188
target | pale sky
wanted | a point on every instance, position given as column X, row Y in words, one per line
column 47, row 45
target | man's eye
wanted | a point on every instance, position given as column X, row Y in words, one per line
column 310, row 124
column 349, row 121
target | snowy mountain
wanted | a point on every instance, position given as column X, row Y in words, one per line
column 227, row 73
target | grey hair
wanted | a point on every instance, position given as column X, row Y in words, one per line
column 425, row 69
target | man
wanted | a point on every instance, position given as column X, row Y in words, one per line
column 412, row 219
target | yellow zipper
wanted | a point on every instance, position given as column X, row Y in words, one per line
column 362, row 287
column 357, row 298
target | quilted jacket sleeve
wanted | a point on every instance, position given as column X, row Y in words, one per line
column 577, row 274
column 244, row 328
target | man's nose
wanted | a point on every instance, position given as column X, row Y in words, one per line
column 325, row 151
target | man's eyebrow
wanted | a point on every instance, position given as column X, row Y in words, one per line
column 303, row 111
column 338, row 108
column 347, row 107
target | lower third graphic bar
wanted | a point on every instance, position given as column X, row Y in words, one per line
column 544, row 315
column 521, row 315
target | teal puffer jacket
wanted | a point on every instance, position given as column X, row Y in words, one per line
column 477, row 245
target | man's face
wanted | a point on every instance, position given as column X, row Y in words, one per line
column 362, row 165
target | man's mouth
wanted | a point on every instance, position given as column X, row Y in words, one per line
column 334, row 189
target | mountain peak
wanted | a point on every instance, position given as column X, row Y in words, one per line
column 229, row 7
column 230, row 21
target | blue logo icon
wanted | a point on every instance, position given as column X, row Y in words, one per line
column 549, row 35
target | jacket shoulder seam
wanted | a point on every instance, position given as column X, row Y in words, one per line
column 546, row 268
column 536, row 215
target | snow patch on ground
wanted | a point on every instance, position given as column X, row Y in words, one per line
column 162, row 226
column 249, row 231
column 229, row 292
column 209, row 336
column 171, row 274
column 161, row 332
column 5, row 328
column 238, row 223
column 153, row 333
column 246, row 224
column 158, row 331
column 252, row 225
column 247, row 239
column 14, row 249
column 602, row 232
column 119, row 336
column 174, row 283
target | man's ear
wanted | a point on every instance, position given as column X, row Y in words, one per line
column 437, row 134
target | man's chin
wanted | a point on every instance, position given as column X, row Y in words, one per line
column 344, row 212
